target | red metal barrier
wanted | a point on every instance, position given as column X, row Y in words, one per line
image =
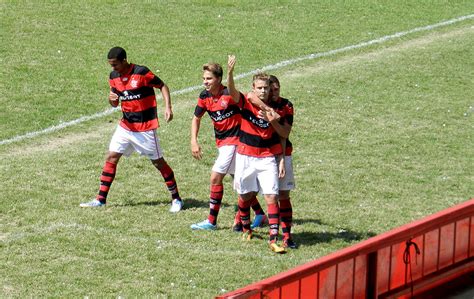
column 401, row 263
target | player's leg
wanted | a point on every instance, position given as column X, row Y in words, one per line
column 119, row 145
column 286, row 184
column 170, row 181
column 260, row 217
column 246, row 185
column 225, row 163
column 215, row 200
column 268, row 182
column 148, row 144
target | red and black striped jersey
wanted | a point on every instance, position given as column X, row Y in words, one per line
column 137, row 97
column 257, row 136
column 225, row 115
column 285, row 108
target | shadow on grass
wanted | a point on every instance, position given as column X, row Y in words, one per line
column 311, row 238
column 188, row 203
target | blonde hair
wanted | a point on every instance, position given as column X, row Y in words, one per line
column 261, row 76
column 214, row 68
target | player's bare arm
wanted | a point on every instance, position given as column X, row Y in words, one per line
column 113, row 99
column 281, row 165
column 165, row 91
column 274, row 119
column 195, row 147
column 230, row 79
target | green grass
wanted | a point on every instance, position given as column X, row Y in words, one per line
column 382, row 135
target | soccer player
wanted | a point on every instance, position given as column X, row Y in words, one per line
column 284, row 108
column 224, row 112
column 256, row 168
column 132, row 86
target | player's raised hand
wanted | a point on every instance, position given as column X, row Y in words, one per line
column 230, row 63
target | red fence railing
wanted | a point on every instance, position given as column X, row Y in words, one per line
column 397, row 264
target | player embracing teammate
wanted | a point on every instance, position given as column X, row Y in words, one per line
column 257, row 169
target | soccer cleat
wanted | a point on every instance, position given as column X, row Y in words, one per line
column 259, row 221
column 288, row 243
column 203, row 225
column 92, row 204
column 176, row 205
column 276, row 248
column 247, row 236
column 237, row 227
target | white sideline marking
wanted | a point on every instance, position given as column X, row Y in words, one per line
column 265, row 68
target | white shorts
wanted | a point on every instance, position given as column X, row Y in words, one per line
column 254, row 174
column 225, row 162
column 145, row 143
column 288, row 181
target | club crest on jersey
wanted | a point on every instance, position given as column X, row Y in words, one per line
column 134, row 83
column 224, row 104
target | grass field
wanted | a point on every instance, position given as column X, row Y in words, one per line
column 383, row 135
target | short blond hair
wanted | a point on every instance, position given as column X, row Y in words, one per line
column 214, row 68
column 261, row 76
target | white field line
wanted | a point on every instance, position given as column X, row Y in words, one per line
column 275, row 66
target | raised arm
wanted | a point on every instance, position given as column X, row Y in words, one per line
column 235, row 94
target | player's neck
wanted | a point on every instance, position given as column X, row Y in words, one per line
column 216, row 90
column 126, row 69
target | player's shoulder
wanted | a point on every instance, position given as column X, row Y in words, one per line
column 140, row 69
column 114, row 74
column 286, row 102
column 204, row 95
column 225, row 91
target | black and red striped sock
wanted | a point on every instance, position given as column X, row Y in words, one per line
column 286, row 217
column 273, row 221
column 106, row 179
column 215, row 200
column 168, row 176
column 237, row 215
column 256, row 207
column 244, row 212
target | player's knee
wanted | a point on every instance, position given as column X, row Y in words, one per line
column 113, row 157
column 217, row 178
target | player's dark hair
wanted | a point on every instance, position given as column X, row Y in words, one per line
column 214, row 68
column 117, row 53
column 274, row 79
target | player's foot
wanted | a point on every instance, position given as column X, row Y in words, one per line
column 259, row 221
column 237, row 227
column 203, row 225
column 92, row 204
column 176, row 205
column 277, row 248
column 247, row 236
column 289, row 243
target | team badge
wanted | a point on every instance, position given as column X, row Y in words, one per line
column 224, row 104
column 134, row 83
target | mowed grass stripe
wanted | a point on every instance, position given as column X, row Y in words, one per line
column 244, row 75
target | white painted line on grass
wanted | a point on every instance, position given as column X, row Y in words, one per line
column 240, row 76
